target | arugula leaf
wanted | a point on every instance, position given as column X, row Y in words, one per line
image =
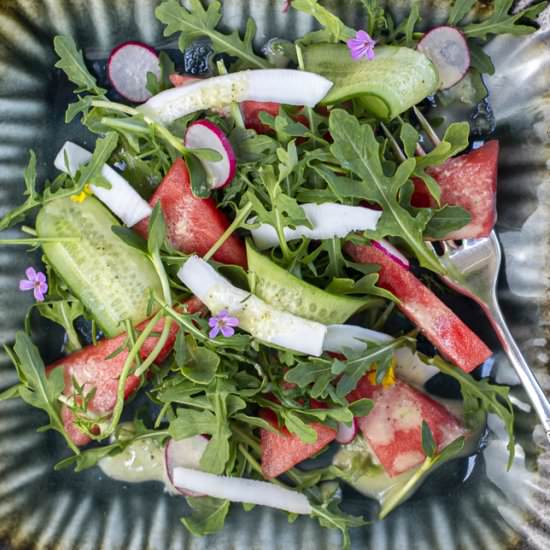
column 91, row 171
column 217, row 451
column 33, row 198
column 167, row 67
column 189, row 423
column 198, row 22
column 157, row 230
column 377, row 19
column 428, row 444
column 71, row 62
column 37, row 389
column 10, row 393
column 330, row 516
column 459, row 10
column 332, row 24
column 481, row 397
column 198, row 364
column 356, row 148
column 447, row 219
column 480, row 60
column 502, row 22
column 88, row 458
column 208, row 515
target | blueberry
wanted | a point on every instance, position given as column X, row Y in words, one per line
column 197, row 57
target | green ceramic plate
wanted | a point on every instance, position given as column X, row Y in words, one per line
column 40, row 508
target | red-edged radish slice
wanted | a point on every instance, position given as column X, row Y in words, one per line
column 239, row 489
column 346, row 434
column 287, row 86
column 185, row 453
column 328, row 220
column 204, row 134
column 448, row 50
column 340, row 338
column 127, row 70
column 121, row 199
column 390, row 250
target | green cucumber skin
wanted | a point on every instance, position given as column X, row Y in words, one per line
column 112, row 279
column 397, row 77
column 284, row 291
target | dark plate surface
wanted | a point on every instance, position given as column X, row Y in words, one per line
column 40, row 508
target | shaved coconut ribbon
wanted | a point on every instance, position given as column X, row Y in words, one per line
column 122, row 199
column 340, row 338
column 390, row 250
column 256, row 317
column 328, row 221
column 239, row 489
column 290, row 87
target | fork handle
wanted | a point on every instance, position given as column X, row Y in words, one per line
column 525, row 374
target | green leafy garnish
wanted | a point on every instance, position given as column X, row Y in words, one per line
column 208, row 515
column 199, row 22
column 334, row 26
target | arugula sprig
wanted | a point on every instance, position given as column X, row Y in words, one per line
column 358, row 151
column 199, row 22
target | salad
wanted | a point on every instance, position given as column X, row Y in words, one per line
column 246, row 264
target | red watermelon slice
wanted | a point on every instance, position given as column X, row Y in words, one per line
column 470, row 181
column 193, row 224
column 283, row 450
column 453, row 339
column 393, row 428
column 92, row 368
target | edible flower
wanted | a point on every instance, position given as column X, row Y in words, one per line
column 83, row 195
column 361, row 46
column 35, row 281
column 224, row 323
column 389, row 376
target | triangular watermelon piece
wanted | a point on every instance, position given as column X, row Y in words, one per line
column 470, row 181
column 193, row 224
column 453, row 339
column 283, row 450
column 92, row 368
column 393, row 428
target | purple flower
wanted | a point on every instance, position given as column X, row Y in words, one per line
column 224, row 323
column 361, row 46
column 35, row 281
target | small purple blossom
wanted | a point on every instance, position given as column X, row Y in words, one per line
column 224, row 323
column 35, row 281
column 361, row 46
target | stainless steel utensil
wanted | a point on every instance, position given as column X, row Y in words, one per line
column 473, row 268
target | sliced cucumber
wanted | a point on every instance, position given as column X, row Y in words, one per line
column 112, row 279
column 286, row 292
column 395, row 80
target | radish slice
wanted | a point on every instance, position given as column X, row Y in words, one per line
column 390, row 250
column 185, row 453
column 122, row 199
column 346, row 434
column 204, row 134
column 255, row 316
column 328, row 220
column 448, row 50
column 238, row 489
column 287, row 86
column 411, row 369
column 127, row 69
column 340, row 338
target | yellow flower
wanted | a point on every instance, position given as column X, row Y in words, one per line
column 83, row 195
column 389, row 378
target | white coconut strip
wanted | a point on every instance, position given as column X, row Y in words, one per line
column 122, row 199
column 238, row 489
column 255, row 316
column 286, row 86
column 328, row 220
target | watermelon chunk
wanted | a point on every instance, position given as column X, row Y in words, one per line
column 193, row 224
column 393, row 428
column 283, row 450
column 470, row 181
column 251, row 114
column 92, row 368
column 453, row 339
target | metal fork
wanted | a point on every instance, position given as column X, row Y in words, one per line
column 473, row 269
